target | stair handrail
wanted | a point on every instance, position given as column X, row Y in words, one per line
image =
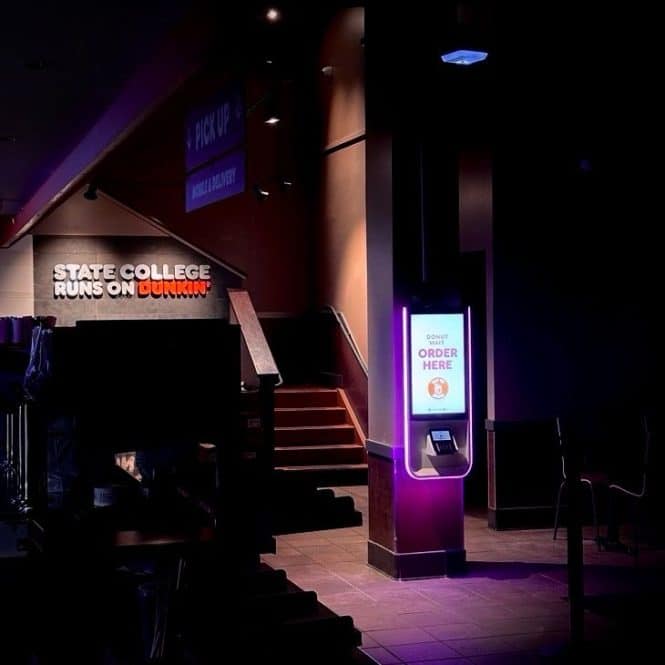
column 346, row 330
column 242, row 312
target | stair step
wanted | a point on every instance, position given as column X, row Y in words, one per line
column 301, row 523
column 324, row 454
column 307, row 634
column 314, row 435
column 266, row 580
column 282, row 606
column 323, row 475
column 318, row 627
column 316, row 415
column 305, row 397
column 315, row 511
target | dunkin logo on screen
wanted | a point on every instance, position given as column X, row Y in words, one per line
column 437, row 388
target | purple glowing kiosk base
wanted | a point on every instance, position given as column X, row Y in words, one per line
column 417, row 498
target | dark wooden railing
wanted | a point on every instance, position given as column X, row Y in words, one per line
column 259, row 376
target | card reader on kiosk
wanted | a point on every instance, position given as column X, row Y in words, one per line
column 443, row 441
column 437, row 394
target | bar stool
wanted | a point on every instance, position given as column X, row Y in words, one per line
column 590, row 479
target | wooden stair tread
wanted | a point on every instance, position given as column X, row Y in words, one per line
column 335, row 446
column 296, row 409
column 305, row 389
column 318, row 441
column 321, row 467
column 315, row 427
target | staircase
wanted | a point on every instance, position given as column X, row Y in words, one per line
column 266, row 618
column 291, row 625
column 318, row 444
column 317, row 439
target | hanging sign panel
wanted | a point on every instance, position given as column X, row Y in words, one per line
column 215, row 182
column 215, row 127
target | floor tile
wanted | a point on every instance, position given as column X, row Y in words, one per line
column 426, row 651
column 508, row 608
column 381, row 655
column 399, row 636
column 480, row 646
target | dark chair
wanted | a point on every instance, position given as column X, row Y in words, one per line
column 590, row 479
column 637, row 492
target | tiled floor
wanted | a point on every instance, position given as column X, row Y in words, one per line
column 510, row 607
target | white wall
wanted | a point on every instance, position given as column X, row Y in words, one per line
column 17, row 279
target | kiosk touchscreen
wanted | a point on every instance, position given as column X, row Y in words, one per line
column 437, row 394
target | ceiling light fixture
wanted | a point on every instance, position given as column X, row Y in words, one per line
column 260, row 193
column 273, row 15
column 272, row 115
column 464, row 57
column 91, row 192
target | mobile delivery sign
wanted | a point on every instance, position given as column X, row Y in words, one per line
column 437, row 358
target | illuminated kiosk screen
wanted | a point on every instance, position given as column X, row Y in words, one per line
column 438, row 373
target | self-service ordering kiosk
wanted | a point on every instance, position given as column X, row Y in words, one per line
column 437, row 394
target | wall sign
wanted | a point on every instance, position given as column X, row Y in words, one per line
column 97, row 280
column 438, row 385
column 215, row 182
column 215, row 127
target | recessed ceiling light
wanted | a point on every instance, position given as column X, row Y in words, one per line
column 273, row 15
column 260, row 193
column 464, row 57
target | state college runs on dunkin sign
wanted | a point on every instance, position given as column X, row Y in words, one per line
column 438, row 377
column 96, row 280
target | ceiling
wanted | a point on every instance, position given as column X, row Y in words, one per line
column 68, row 67
column 61, row 64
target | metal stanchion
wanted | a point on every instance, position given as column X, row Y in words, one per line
column 10, row 438
column 19, row 466
column 575, row 550
column 5, row 461
column 13, row 454
column 26, row 457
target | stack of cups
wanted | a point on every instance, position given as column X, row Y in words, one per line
column 22, row 330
